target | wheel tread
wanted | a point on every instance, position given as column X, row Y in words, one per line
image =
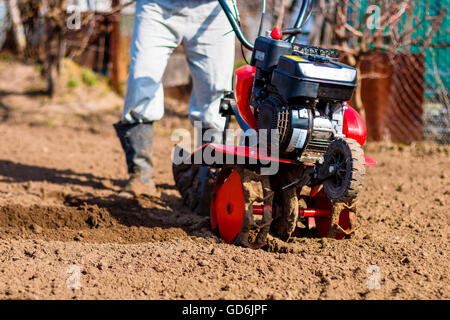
column 355, row 183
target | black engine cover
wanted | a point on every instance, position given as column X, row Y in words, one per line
column 292, row 83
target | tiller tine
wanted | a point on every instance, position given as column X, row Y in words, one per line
column 342, row 215
column 232, row 207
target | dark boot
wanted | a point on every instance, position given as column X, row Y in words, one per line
column 137, row 141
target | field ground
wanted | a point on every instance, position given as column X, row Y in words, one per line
column 60, row 171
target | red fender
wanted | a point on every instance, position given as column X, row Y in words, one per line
column 243, row 84
column 354, row 126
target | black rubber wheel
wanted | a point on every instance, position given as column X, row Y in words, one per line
column 344, row 166
column 188, row 180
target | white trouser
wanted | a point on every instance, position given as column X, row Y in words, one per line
column 206, row 35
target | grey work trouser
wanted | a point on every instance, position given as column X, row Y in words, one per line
column 205, row 33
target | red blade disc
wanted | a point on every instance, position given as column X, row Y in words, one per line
column 321, row 201
column 229, row 207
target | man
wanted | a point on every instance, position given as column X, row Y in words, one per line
column 160, row 26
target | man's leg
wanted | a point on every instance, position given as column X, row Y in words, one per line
column 210, row 53
column 209, row 47
column 151, row 46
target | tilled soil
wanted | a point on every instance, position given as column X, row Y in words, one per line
column 59, row 208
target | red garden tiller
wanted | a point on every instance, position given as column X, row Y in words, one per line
column 300, row 93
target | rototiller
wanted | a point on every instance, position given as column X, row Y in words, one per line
column 300, row 93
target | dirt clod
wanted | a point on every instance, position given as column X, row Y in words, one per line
column 36, row 228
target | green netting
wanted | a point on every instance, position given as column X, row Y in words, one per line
column 437, row 56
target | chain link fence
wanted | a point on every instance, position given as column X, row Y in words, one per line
column 405, row 93
column 437, row 80
column 409, row 89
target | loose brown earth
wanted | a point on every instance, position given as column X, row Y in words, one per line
column 59, row 207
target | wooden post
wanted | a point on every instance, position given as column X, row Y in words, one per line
column 281, row 13
column 115, row 63
column 19, row 34
column 328, row 31
column 50, row 65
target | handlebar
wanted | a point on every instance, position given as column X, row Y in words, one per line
column 235, row 25
column 303, row 16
